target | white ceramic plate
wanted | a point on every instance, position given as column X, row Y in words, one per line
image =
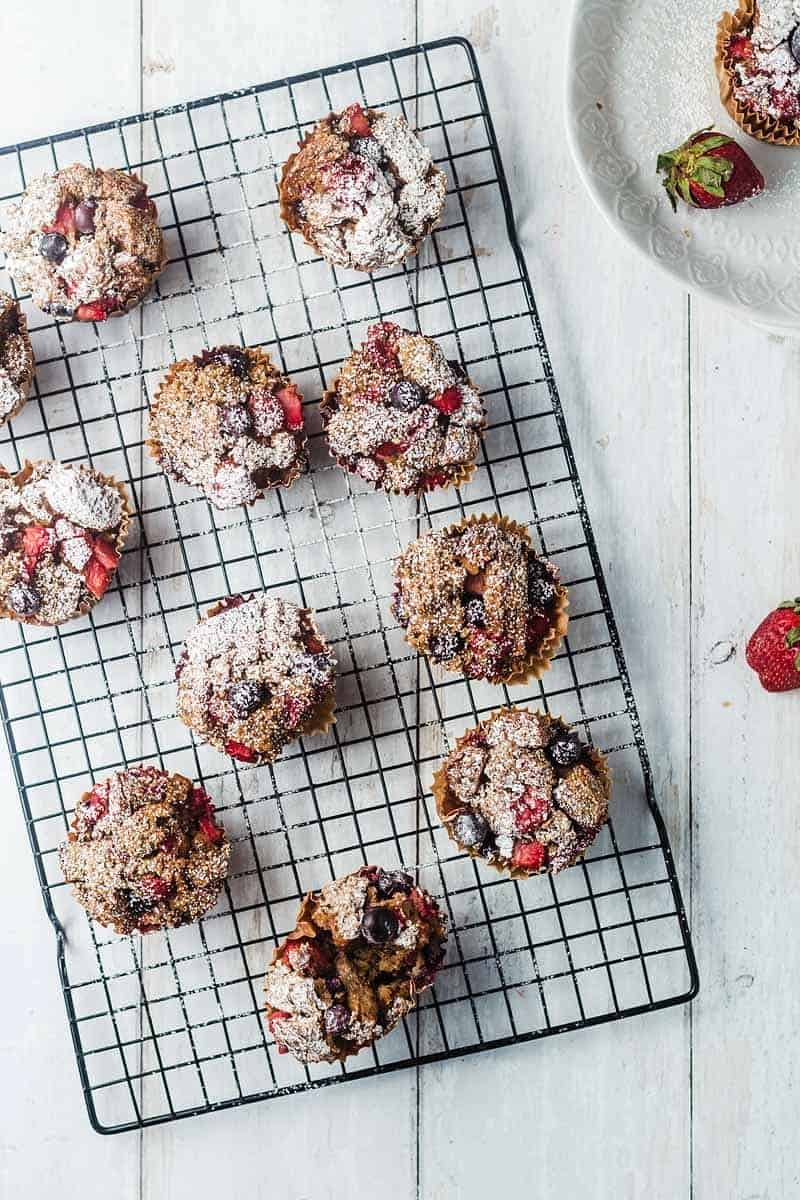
column 641, row 79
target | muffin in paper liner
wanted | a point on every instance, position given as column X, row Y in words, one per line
column 318, row 720
column 107, row 232
column 144, row 851
column 576, row 839
column 319, row 151
column 14, row 570
column 364, row 947
column 427, row 440
column 17, row 364
column 538, row 661
column 246, row 485
column 775, row 131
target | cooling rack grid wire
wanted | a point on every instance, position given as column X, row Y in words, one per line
column 170, row 1025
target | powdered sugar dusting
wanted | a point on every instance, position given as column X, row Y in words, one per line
column 82, row 498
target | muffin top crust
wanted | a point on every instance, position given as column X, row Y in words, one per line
column 363, row 949
column 522, row 791
column 362, row 189
column 477, row 598
column 400, row 415
column 62, row 530
column 229, row 423
column 86, row 243
column 255, row 675
column 145, row 852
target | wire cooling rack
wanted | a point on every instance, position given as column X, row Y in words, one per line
column 170, row 1025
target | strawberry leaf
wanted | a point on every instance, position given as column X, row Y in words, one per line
column 793, row 637
column 665, row 161
column 712, row 143
column 720, row 168
column 797, row 663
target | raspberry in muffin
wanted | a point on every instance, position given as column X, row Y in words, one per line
column 145, row 851
column 364, row 948
column 228, row 422
column 758, row 64
column 523, row 792
column 401, row 416
column 477, row 598
column 17, row 366
column 362, row 189
column 255, row 675
column 86, row 243
column 62, row 530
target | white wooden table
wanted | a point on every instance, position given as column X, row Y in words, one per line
column 684, row 426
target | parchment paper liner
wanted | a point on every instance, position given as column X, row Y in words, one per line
column 776, row 131
column 539, row 662
column 22, row 328
column 20, row 479
column 448, row 806
column 290, row 218
column 320, row 719
column 461, row 476
column 154, row 445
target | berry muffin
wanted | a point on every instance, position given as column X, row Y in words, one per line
column 362, row 189
column 62, row 530
column 228, row 423
column 17, row 366
column 477, row 598
column 523, row 792
column 758, row 64
column 144, row 851
column 85, row 243
column 255, row 675
column 364, row 947
column 401, row 416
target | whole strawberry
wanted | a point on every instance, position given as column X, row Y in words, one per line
column 710, row 171
column 774, row 649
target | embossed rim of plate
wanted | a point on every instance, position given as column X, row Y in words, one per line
column 574, row 102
